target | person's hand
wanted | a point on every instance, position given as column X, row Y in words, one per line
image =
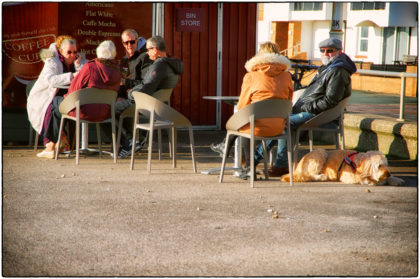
column 78, row 60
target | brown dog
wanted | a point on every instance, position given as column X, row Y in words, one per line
column 369, row 168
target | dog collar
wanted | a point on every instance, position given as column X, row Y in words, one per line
column 349, row 161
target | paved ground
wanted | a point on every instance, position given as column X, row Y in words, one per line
column 382, row 104
column 100, row 219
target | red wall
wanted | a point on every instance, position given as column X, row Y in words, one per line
column 239, row 37
column 27, row 28
column 198, row 51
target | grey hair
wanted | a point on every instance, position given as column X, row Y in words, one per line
column 67, row 42
column 106, row 50
column 132, row 31
column 157, row 42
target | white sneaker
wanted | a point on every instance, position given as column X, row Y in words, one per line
column 46, row 154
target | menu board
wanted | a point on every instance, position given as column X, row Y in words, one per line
column 93, row 22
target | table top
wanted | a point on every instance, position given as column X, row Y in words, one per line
column 231, row 100
column 222, row 98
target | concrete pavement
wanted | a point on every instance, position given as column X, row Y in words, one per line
column 101, row 219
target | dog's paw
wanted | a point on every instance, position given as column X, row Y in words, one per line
column 395, row 181
column 319, row 177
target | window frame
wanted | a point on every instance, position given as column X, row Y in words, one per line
column 307, row 6
column 363, row 38
column 364, row 6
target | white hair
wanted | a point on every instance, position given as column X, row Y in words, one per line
column 106, row 50
column 67, row 42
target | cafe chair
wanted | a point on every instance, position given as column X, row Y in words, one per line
column 163, row 95
column 269, row 108
column 330, row 120
column 158, row 116
column 31, row 130
column 83, row 97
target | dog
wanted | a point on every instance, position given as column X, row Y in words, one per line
column 347, row 166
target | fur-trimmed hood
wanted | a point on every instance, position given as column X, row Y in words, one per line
column 268, row 62
column 46, row 53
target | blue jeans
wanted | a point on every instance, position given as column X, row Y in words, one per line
column 281, row 159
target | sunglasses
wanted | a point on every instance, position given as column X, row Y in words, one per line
column 71, row 52
column 329, row 50
column 132, row 42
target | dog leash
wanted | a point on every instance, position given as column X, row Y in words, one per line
column 349, row 161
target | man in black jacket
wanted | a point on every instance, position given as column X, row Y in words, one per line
column 136, row 61
column 162, row 74
column 331, row 84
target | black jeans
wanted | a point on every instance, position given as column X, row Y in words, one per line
column 127, row 125
column 53, row 128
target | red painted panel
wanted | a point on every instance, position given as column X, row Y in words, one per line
column 239, row 36
column 26, row 29
column 198, row 51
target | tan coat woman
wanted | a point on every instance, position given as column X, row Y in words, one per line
column 267, row 78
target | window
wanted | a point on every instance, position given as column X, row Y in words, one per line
column 364, row 38
column 358, row 6
column 307, row 6
column 396, row 44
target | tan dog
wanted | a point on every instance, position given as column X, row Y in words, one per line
column 369, row 168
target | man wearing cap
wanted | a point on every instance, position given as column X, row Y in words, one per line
column 330, row 85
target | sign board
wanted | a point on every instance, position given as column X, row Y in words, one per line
column 22, row 40
column 93, row 22
column 190, row 19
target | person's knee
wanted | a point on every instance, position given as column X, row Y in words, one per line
column 122, row 105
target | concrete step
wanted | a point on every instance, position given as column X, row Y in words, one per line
column 365, row 132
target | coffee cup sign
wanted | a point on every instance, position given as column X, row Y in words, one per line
column 190, row 19
column 28, row 27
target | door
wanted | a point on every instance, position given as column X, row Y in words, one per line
column 214, row 55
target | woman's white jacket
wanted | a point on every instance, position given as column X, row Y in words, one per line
column 45, row 88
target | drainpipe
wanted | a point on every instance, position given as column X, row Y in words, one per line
column 337, row 21
column 158, row 19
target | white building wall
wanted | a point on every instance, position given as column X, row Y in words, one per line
column 324, row 14
column 272, row 12
column 350, row 42
column 414, row 41
column 379, row 17
column 263, row 31
column 321, row 31
column 375, row 45
column 276, row 11
column 307, row 37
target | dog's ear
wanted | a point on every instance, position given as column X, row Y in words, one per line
column 373, row 165
column 362, row 165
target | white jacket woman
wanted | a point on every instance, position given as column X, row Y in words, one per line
column 45, row 87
